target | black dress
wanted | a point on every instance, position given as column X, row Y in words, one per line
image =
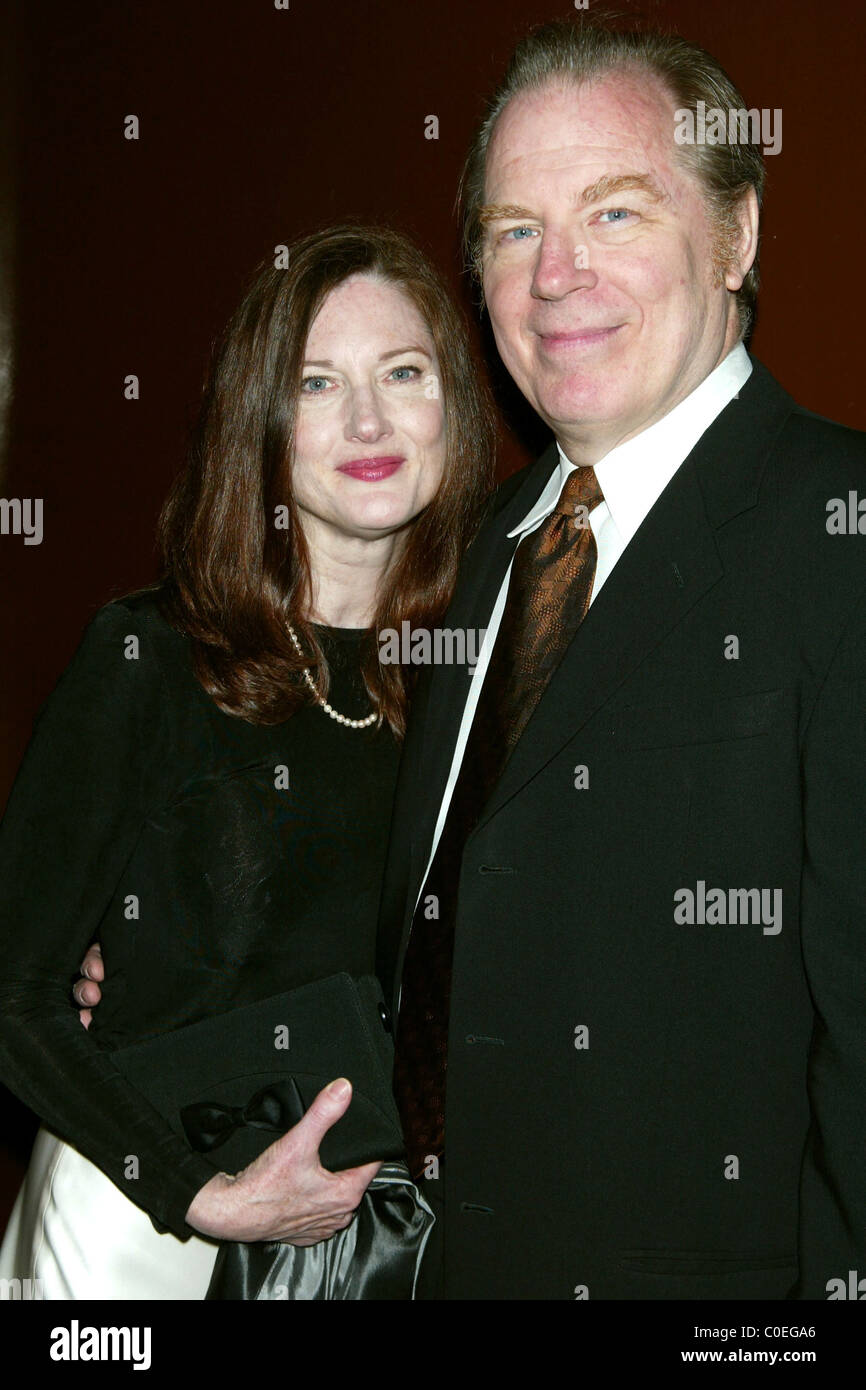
column 217, row 861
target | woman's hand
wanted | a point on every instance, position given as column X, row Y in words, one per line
column 286, row 1194
column 86, row 991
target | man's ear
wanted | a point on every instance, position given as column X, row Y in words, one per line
column 744, row 251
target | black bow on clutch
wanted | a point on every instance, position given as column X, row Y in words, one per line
column 208, row 1123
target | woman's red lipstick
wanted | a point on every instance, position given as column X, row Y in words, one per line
column 372, row 470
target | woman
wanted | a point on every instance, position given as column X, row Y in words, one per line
column 222, row 751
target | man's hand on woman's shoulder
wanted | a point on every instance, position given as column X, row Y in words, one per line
column 86, row 991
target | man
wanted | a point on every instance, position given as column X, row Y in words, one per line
column 626, row 895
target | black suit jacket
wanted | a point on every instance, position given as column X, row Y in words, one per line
column 705, row 1136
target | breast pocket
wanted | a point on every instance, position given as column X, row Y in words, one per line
column 678, row 726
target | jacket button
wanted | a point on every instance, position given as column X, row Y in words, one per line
column 385, row 1017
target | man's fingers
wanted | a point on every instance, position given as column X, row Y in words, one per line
column 86, row 993
column 93, row 966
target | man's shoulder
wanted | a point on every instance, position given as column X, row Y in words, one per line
column 818, row 458
column 805, row 431
column 813, row 491
column 828, row 438
column 768, row 449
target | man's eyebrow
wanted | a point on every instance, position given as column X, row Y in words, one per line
column 496, row 212
column 605, row 187
column 385, row 357
column 610, row 184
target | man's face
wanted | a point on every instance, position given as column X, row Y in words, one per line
column 598, row 261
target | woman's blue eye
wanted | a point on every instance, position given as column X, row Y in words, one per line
column 413, row 371
column 312, row 384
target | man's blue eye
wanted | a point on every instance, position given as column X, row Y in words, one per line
column 514, row 232
column 618, row 213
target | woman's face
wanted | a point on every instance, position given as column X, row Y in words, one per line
column 370, row 427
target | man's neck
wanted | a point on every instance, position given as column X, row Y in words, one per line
column 587, row 448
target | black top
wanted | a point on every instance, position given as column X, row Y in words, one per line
column 218, row 862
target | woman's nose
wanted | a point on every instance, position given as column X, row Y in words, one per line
column 367, row 416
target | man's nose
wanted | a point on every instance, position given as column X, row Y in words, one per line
column 563, row 265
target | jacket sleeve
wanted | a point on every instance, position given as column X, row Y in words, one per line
column 100, row 753
column 833, row 917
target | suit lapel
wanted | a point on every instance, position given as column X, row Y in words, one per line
column 481, row 575
column 670, row 563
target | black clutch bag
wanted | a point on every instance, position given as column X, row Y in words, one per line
column 230, row 1085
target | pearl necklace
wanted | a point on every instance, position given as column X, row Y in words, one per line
column 329, row 710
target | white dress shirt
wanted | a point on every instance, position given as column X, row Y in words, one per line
column 632, row 477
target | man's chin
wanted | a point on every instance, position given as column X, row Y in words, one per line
column 573, row 406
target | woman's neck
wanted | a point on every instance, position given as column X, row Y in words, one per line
column 346, row 574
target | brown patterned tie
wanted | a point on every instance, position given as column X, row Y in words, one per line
column 548, row 597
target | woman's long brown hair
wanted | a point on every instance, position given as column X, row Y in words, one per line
column 234, row 581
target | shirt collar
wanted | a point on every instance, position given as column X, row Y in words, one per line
column 634, row 474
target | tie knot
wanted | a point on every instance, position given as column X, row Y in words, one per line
column 582, row 489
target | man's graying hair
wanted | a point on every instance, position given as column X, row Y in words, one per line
column 588, row 49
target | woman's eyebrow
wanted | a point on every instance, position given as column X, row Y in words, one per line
column 396, row 352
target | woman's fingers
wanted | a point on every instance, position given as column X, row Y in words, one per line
column 329, row 1106
column 285, row 1194
column 312, row 1235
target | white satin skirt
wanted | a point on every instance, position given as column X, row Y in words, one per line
column 80, row 1237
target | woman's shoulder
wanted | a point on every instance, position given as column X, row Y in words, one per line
column 120, row 698
column 128, row 649
column 136, row 618
column 147, row 605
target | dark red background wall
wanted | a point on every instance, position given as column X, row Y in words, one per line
column 256, row 124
